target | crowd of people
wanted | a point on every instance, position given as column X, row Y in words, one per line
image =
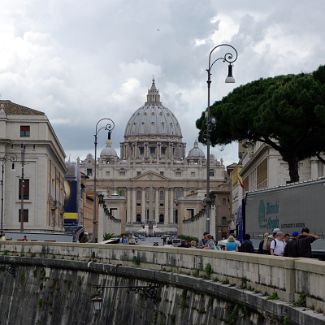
column 276, row 244
column 294, row 245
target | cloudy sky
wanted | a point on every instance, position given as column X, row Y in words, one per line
column 81, row 60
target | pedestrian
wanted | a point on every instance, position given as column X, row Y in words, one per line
column 264, row 246
column 304, row 242
column 286, row 239
column 25, row 238
column 193, row 244
column 124, row 239
column 247, row 245
column 211, row 244
column 277, row 244
column 204, row 241
column 231, row 244
column 291, row 248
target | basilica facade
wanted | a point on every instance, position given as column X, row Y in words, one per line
column 153, row 181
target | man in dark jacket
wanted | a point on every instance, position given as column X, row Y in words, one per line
column 247, row 245
column 304, row 242
column 291, row 248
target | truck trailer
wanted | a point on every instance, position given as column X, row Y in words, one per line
column 290, row 208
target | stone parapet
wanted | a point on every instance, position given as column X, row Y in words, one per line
column 299, row 281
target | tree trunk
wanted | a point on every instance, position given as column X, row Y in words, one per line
column 293, row 169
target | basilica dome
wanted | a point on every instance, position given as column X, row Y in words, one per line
column 153, row 119
column 108, row 152
column 195, row 152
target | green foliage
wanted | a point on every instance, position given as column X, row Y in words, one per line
column 285, row 112
column 301, row 302
column 188, row 238
column 285, row 320
column 108, row 236
column 273, row 296
column 232, row 314
column 196, row 273
column 208, row 270
column 136, row 260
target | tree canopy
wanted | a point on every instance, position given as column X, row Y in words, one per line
column 286, row 112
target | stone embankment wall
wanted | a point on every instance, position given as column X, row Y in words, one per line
column 54, row 284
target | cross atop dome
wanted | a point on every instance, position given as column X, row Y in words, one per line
column 153, row 96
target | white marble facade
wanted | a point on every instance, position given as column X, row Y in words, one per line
column 153, row 172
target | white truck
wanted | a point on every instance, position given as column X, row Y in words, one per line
column 290, row 208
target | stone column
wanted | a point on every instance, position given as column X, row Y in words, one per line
column 134, row 205
column 157, row 206
column 143, row 205
column 166, row 206
column 314, row 168
column 171, row 207
column 129, row 213
column 150, row 204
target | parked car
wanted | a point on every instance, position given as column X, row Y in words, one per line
column 176, row 242
column 132, row 241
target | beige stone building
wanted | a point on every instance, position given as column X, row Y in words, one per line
column 32, row 171
column 154, row 185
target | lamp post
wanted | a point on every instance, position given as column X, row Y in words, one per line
column 230, row 57
column 109, row 127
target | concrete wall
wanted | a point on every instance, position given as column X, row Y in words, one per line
column 291, row 279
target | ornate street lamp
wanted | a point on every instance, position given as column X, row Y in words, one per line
column 230, row 57
column 108, row 127
column 97, row 302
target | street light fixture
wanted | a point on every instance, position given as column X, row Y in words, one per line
column 150, row 291
column 108, row 127
column 230, row 57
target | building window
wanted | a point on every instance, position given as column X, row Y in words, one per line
column 224, row 221
column 192, row 173
column 138, row 173
column 138, row 218
column 163, row 151
column 178, row 173
column 24, row 188
column 161, row 195
column 211, row 172
column 122, row 172
column 189, row 213
column 161, row 218
column 139, row 195
column 162, row 173
column 178, row 194
column 108, row 173
column 25, row 215
column 113, row 212
column 25, row 131
column 152, row 151
column 89, row 172
column 141, row 151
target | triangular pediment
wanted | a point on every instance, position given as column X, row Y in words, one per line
column 150, row 176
